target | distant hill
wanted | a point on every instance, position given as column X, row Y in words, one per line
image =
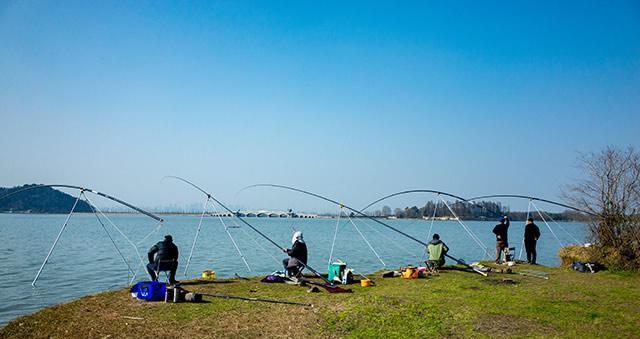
column 39, row 200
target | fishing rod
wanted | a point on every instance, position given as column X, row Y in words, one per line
column 413, row 191
column 84, row 189
column 439, row 193
column 363, row 215
column 531, row 198
column 273, row 301
column 330, row 288
column 66, row 222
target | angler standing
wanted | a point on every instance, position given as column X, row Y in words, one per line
column 502, row 240
column 531, row 236
column 297, row 255
column 163, row 256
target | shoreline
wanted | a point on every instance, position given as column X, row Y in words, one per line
column 266, row 217
column 454, row 303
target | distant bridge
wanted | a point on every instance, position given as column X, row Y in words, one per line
column 265, row 214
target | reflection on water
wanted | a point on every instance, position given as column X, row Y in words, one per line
column 85, row 260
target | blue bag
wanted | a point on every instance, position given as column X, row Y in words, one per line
column 149, row 290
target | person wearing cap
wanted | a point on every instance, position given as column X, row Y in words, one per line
column 502, row 241
column 163, row 256
column 437, row 250
column 531, row 236
column 297, row 255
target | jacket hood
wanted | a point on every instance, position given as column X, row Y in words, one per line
column 297, row 236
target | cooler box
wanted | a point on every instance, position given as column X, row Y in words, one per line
column 336, row 271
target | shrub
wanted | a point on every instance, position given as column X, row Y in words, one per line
column 610, row 192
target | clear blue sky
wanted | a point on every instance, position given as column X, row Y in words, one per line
column 350, row 100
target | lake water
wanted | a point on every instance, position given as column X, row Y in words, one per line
column 85, row 261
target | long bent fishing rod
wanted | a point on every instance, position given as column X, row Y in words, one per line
column 471, row 200
column 361, row 214
column 273, row 301
column 247, row 223
column 530, row 198
column 439, row 193
column 64, row 226
column 413, row 191
column 84, row 189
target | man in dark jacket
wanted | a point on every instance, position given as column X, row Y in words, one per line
column 163, row 256
column 531, row 236
column 297, row 255
column 502, row 240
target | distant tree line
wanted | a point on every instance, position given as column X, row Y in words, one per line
column 39, row 200
column 481, row 210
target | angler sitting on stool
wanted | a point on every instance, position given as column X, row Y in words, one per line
column 437, row 249
column 294, row 265
column 163, row 256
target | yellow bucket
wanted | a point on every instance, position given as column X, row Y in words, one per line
column 365, row 283
column 209, row 274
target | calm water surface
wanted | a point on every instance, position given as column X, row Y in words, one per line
column 85, row 261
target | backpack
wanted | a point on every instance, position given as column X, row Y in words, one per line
column 586, row 267
column 275, row 277
column 149, row 290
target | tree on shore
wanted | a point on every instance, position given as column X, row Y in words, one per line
column 610, row 191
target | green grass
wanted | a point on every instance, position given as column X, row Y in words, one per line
column 454, row 304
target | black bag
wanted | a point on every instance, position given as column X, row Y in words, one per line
column 586, row 267
column 579, row 266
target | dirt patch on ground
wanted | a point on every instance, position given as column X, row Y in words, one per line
column 501, row 325
column 505, row 281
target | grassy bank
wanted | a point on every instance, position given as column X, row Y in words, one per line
column 454, row 304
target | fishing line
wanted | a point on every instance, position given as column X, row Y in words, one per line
column 388, row 238
column 254, row 241
column 332, row 288
column 471, row 234
column 560, row 227
column 546, row 223
column 82, row 190
column 151, row 215
column 335, row 235
column 122, row 234
column 195, row 238
column 55, row 242
column 525, row 225
column 155, row 229
column 366, row 241
column 532, row 199
column 110, row 238
column 231, row 237
column 409, row 192
column 364, row 215
column 433, row 218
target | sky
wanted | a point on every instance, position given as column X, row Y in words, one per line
column 353, row 100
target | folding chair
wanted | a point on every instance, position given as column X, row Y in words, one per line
column 432, row 267
column 164, row 266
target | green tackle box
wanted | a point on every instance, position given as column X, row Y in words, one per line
column 336, row 271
